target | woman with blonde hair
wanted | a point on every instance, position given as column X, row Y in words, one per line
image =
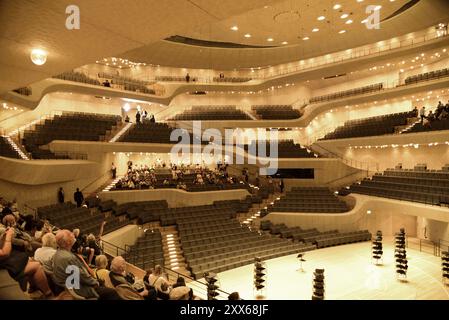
column 45, row 254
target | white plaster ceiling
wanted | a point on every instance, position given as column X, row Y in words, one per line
column 261, row 24
column 107, row 28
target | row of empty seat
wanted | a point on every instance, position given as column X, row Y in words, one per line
column 315, row 237
column 427, row 76
column 213, row 241
column 68, row 216
column 276, row 112
column 309, row 200
column 77, row 77
column 424, row 186
column 147, row 251
column 24, row 91
column 347, row 93
column 212, row 113
column 70, row 126
column 285, row 149
column 374, row 126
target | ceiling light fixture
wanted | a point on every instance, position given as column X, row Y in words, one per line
column 344, row 16
column 270, row 39
column 38, row 56
column 247, row 35
column 321, row 18
column 305, row 38
column 337, row 6
column 342, row 31
column 315, row 30
column 349, row 21
column 234, row 28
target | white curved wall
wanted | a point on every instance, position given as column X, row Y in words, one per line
column 387, row 215
column 174, row 197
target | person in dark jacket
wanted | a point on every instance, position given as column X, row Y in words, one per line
column 61, row 195
column 78, row 197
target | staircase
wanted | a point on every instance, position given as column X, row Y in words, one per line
column 117, row 132
column 173, row 254
column 252, row 217
column 18, row 147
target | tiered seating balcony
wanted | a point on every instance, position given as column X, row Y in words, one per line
column 212, row 113
column 374, row 126
column 276, row 112
column 309, row 200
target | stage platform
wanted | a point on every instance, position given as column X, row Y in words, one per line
column 349, row 275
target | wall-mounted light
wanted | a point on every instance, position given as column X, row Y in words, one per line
column 38, row 56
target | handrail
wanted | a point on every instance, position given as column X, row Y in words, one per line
column 349, row 162
column 96, row 180
column 132, row 260
column 306, row 64
column 32, row 209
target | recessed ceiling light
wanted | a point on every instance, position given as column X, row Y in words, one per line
column 305, row 38
column 344, row 16
column 285, row 42
column 315, row 30
column 337, row 6
column 349, row 21
column 247, row 35
column 234, row 28
column 359, row 0
column 365, row 21
column 342, row 31
column 270, row 40
column 378, row 8
column 321, row 18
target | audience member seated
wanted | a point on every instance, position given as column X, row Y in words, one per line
column 160, row 283
column 80, row 246
column 45, row 254
column 125, row 289
column 438, row 120
column 64, row 260
column 186, row 177
column 181, row 291
column 19, row 266
column 234, row 296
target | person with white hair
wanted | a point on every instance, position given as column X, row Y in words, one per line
column 45, row 254
column 160, row 283
column 84, row 284
column 125, row 289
